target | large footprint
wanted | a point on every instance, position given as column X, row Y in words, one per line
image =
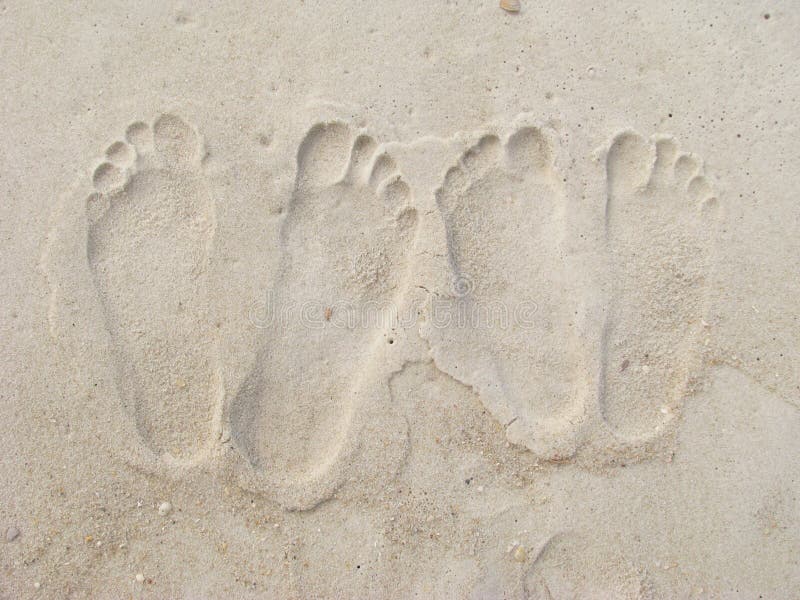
column 151, row 224
column 512, row 331
column 660, row 219
column 345, row 241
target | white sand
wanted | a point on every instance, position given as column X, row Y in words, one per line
column 400, row 300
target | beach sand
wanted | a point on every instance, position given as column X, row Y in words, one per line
column 399, row 300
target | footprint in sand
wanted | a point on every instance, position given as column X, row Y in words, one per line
column 511, row 332
column 572, row 565
column 345, row 240
column 151, row 224
column 660, row 221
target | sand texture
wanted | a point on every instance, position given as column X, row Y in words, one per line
column 400, row 300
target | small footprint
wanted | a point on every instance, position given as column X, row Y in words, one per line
column 574, row 565
column 151, row 226
column 660, row 222
column 345, row 243
column 511, row 331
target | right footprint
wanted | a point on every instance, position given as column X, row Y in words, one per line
column 345, row 242
column 660, row 222
column 511, row 329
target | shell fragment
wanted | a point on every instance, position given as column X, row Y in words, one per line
column 510, row 5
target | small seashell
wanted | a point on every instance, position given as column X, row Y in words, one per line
column 12, row 533
column 510, row 5
column 520, row 554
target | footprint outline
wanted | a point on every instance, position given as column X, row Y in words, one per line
column 79, row 310
column 645, row 176
column 526, row 158
column 337, row 165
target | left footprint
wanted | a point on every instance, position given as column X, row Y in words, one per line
column 151, row 223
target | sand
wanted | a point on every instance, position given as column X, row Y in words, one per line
column 399, row 300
